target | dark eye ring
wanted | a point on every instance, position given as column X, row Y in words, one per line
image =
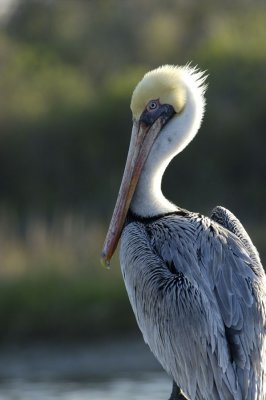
column 153, row 105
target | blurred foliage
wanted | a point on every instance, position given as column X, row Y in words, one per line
column 67, row 72
column 68, row 69
column 51, row 286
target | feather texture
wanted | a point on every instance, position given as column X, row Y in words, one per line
column 200, row 304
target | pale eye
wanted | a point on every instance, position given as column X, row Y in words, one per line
column 153, row 105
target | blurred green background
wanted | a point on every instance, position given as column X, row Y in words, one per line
column 67, row 70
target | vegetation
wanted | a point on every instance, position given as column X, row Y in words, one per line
column 52, row 287
column 67, row 72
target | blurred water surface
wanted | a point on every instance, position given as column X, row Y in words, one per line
column 114, row 370
column 148, row 386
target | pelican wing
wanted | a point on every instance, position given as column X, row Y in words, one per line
column 199, row 303
column 229, row 221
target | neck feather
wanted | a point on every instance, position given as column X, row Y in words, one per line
column 148, row 199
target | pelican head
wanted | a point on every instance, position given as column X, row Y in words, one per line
column 163, row 86
column 167, row 107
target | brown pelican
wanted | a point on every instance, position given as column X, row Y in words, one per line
column 196, row 284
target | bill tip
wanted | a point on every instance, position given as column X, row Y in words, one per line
column 105, row 261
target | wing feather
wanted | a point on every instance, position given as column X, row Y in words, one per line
column 199, row 303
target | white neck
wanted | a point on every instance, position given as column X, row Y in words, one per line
column 148, row 199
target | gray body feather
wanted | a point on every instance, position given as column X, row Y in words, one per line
column 198, row 291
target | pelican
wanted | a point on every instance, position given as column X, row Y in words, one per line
column 196, row 284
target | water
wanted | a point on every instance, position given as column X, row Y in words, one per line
column 150, row 386
column 113, row 371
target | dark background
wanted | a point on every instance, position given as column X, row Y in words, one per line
column 67, row 71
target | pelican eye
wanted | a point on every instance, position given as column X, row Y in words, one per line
column 155, row 110
column 153, row 105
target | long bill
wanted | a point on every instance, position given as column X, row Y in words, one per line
column 142, row 139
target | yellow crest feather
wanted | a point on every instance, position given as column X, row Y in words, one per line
column 163, row 83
